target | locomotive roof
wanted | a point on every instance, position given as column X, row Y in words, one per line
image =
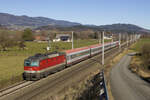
column 40, row 56
column 76, row 49
column 83, row 48
column 96, row 45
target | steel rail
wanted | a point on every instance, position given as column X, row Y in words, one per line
column 14, row 87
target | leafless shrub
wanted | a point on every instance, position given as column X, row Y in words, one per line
column 145, row 50
column 7, row 40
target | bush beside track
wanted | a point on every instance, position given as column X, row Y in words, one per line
column 140, row 64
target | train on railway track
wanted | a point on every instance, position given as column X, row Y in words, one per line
column 41, row 65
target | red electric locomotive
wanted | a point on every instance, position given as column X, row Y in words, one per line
column 41, row 65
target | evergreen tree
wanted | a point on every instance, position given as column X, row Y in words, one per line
column 27, row 35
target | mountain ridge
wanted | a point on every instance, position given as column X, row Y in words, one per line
column 10, row 19
column 14, row 22
column 116, row 28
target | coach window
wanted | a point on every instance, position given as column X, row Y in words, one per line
column 73, row 56
column 82, row 53
column 68, row 57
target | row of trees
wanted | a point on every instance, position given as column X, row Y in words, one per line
column 14, row 38
column 17, row 38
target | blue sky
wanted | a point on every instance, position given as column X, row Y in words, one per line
column 98, row 12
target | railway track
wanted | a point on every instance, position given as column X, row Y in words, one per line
column 52, row 83
column 14, row 88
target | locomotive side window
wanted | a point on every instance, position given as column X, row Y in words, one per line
column 73, row 56
column 85, row 52
column 96, row 49
column 27, row 63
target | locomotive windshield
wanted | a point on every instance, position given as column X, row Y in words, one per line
column 27, row 63
column 31, row 63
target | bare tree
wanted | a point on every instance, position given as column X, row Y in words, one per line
column 7, row 40
column 145, row 50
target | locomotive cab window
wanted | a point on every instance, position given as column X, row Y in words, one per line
column 27, row 63
column 31, row 63
column 34, row 63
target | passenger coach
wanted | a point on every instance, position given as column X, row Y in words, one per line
column 41, row 65
column 76, row 55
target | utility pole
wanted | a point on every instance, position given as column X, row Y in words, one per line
column 103, row 48
column 130, row 38
column 48, row 47
column 72, row 41
column 119, row 40
column 99, row 36
column 127, row 40
column 112, row 38
column 135, row 37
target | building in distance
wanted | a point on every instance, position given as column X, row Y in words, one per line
column 62, row 37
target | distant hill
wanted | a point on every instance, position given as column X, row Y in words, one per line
column 122, row 27
column 42, row 23
column 25, row 21
column 116, row 28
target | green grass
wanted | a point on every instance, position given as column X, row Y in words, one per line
column 137, row 46
column 11, row 61
column 11, row 68
column 34, row 47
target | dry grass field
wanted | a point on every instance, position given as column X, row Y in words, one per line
column 137, row 63
column 138, row 45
